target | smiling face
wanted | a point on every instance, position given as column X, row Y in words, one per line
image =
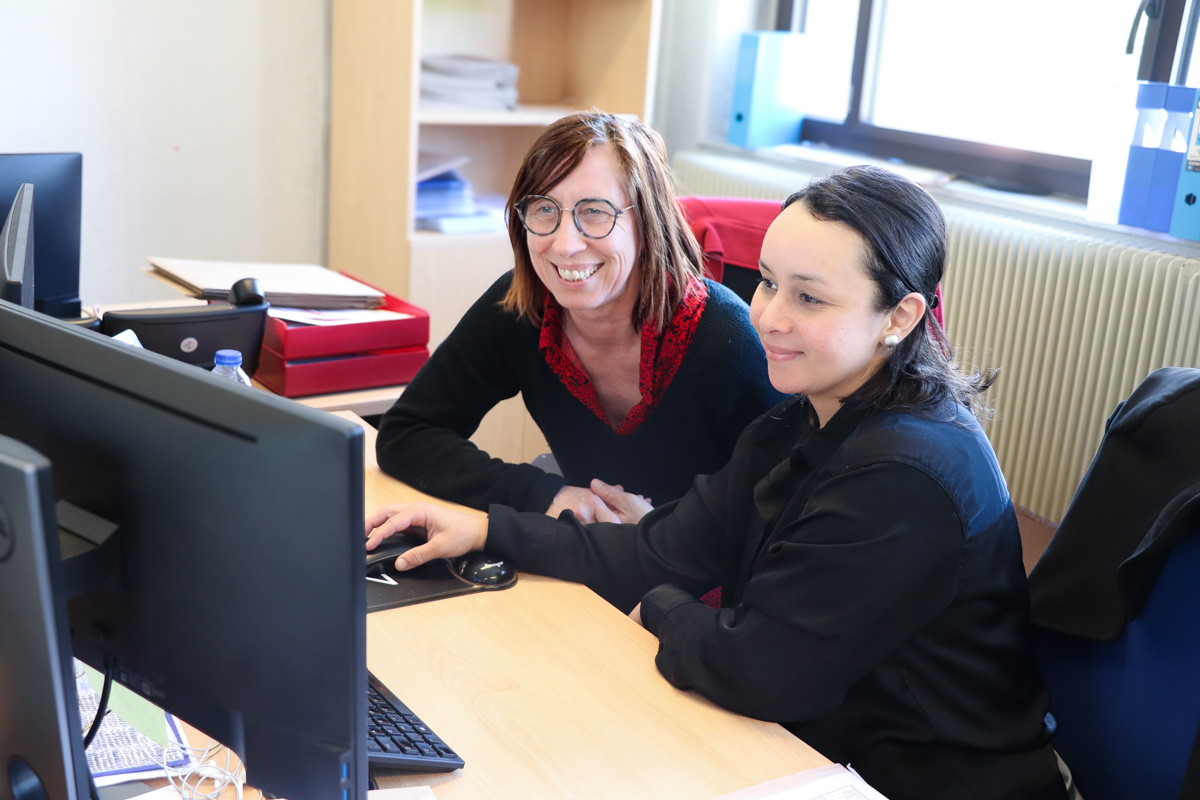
column 590, row 276
column 815, row 310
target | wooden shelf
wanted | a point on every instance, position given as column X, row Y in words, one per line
column 572, row 55
column 428, row 240
column 524, row 116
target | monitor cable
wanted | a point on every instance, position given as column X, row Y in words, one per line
column 101, row 711
column 102, row 707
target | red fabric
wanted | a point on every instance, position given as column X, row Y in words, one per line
column 660, row 357
column 730, row 230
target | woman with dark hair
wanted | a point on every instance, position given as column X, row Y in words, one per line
column 874, row 596
column 639, row 373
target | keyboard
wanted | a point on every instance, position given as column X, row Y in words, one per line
column 398, row 739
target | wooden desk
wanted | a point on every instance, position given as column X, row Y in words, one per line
column 547, row 691
column 363, row 402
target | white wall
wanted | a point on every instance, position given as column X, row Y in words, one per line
column 203, row 126
column 697, row 66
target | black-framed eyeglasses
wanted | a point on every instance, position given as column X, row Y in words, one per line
column 594, row 218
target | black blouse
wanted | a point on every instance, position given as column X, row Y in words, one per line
column 718, row 386
column 875, row 597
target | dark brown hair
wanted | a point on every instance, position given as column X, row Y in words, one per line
column 668, row 254
column 904, row 238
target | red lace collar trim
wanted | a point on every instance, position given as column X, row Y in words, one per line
column 660, row 359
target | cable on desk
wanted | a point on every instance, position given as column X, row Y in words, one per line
column 188, row 781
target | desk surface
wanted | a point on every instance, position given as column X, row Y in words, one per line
column 363, row 402
column 546, row 690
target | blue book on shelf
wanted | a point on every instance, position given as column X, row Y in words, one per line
column 447, row 193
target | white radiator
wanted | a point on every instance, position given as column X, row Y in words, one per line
column 1074, row 321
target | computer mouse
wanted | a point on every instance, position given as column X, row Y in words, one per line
column 393, row 547
column 484, row 569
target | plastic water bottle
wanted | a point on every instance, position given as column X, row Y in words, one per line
column 229, row 365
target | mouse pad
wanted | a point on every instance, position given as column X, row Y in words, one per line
column 387, row 588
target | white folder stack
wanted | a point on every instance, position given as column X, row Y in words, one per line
column 462, row 81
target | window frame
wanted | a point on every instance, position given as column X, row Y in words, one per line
column 990, row 165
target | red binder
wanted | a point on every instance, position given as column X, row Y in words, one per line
column 299, row 360
column 344, row 373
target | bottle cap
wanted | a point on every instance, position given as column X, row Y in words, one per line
column 229, row 357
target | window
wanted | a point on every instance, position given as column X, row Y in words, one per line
column 1019, row 94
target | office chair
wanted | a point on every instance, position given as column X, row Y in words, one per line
column 730, row 231
column 1115, row 604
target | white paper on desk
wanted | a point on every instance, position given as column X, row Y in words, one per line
column 165, row 793
column 346, row 316
column 831, row 782
column 404, row 793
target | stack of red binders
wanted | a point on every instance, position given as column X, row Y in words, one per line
column 299, row 360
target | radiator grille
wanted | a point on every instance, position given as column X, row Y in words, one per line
column 1074, row 321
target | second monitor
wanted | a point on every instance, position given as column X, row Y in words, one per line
column 16, row 249
column 58, row 181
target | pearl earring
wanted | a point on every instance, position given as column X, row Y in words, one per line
column 891, row 340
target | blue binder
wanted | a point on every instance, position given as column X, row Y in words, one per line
column 1185, row 215
column 766, row 108
column 1139, row 169
column 1152, row 173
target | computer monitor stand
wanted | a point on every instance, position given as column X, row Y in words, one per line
column 41, row 744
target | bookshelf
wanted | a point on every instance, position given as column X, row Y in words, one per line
column 573, row 54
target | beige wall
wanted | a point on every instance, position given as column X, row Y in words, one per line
column 203, row 126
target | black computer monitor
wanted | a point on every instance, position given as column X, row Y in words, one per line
column 16, row 249
column 58, row 181
column 237, row 600
column 41, row 744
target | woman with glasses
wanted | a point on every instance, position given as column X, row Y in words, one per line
column 639, row 373
column 875, row 601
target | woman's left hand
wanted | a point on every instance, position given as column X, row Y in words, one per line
column 585, row 504
column 636, row 614
column 628, row 507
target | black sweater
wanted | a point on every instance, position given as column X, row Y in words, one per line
column 492, row 355
column 875, row 597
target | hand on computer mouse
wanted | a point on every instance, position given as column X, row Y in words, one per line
column 388, row 550
column 451, row 533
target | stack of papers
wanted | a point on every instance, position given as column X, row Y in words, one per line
column 460, row 81
column 431, row 164
column 446, row 203
column 288, row 285
column 122, row 752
